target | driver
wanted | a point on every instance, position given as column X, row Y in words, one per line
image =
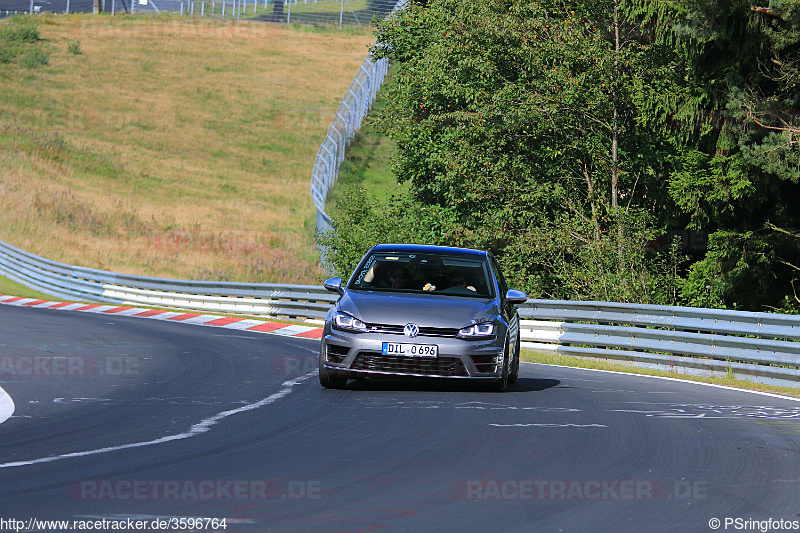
column 398, row 278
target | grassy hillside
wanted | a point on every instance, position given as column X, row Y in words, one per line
column 170, row 147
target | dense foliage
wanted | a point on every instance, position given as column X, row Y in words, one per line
column 20, row 42
column 628, row 150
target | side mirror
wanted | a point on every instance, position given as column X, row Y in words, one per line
column 334, row 285
column 516, row 297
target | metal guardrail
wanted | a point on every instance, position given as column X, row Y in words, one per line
column 86, row 284
column 757, row 346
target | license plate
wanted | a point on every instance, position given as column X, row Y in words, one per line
column 410, row 350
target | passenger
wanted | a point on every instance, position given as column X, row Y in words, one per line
column 461, row 281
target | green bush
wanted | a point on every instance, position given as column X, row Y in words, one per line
column 362, row 221
column 20, row 30
column 571, row 259
column 34, row 57
column 568, row 258
column 8, row 51
column 18, row 36
column 74, row 48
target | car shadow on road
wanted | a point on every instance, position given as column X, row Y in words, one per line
column 440, row 385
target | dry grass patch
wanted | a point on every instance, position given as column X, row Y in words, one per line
column 171, row 147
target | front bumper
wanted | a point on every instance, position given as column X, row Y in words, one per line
column 360, row 355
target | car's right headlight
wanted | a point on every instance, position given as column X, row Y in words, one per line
column 477, row 331
column 347, row 322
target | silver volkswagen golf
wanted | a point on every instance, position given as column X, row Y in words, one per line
column 422, row 311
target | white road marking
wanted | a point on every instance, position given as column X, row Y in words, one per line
column 77, row 400
column 6, row 406
column 717, row 411
column 432, row 404
column 197, row 429
column 549, row 425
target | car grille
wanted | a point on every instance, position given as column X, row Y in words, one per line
column 439, row 366
column 423, row 331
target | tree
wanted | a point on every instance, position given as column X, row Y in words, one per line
column 738, row 165
column 364, row 221
column 553, row 132
column 510, row 115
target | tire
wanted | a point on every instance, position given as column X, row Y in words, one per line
column 331, row 382
column 326, row 379
column 514, row 374
column 502, row 382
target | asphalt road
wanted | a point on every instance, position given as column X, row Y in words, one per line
column 121, row 418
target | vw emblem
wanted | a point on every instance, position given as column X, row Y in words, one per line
column 411, row 330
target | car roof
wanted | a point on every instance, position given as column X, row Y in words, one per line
column 425, row 249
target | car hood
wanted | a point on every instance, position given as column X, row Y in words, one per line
column 423, row 309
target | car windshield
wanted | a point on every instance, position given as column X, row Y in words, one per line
column 425, row 273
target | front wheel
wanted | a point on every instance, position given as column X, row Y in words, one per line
column 512, row 377
column 331, row 382
column 502, row 382
column 328, row 380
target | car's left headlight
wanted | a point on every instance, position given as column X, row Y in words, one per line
column 484, row 329
column 345, row 321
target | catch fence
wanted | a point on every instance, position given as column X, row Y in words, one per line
column 317, row 12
